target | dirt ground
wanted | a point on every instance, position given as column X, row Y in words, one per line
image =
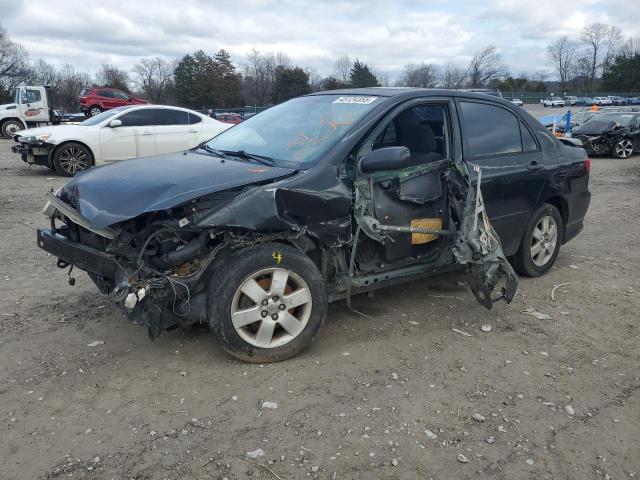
column 389, row 395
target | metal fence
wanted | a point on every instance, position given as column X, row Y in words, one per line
column 535, row 97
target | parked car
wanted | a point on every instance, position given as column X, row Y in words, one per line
column 255, row 231
column 602, row 101
column 633, row 101
column 584, row 101
column 611, row 133
column 94, row 101
column 117, row 134
column 233, row 118
column 619, row 101
column 570, row 100
column 576, row 119
column 553, row 102
column 517, row 101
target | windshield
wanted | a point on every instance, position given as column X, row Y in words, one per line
column 296, row 132
column 103, row 116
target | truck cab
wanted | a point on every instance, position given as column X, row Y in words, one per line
column 33, row 108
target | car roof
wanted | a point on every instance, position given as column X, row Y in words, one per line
column 406, row 93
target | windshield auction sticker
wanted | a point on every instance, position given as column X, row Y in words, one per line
column 356, row 99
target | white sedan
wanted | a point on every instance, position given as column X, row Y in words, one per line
column 553, row 102
column 117, row 134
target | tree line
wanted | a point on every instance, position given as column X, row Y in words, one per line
column 600, row 58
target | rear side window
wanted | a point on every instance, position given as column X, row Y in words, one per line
column 84, row 92
column 489, row 130
column 528, row 142
column 140, row 118
column 172, row 117
column 194, row 119
column 105, row 93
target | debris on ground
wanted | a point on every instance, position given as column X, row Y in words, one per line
column 256, row 453
column 430, row 435
column 462, row 459
column 269, row 405
column 486, row 327
column 461, row 332
column 95, row 344
column 570, row 410
column 478, row 418
column 534, row 313
column 556, row 287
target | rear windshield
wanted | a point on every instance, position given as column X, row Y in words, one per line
column 85, row 91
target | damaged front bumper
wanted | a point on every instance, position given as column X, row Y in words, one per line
column 38, row 153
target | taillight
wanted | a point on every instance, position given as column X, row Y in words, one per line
column 587, row 164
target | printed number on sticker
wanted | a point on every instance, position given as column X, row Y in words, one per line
column 356, row 99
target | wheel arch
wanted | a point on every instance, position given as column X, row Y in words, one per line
column 66, row 142
column 563, row 207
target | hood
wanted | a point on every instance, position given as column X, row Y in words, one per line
column 8, row 105
column 595, row 127
column 123, row 190
column 52, row 129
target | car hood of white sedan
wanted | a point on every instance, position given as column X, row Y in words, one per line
column 62, row 131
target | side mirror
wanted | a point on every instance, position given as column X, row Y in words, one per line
column 388, row 158
column 115, row 123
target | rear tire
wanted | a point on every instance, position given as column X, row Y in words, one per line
column 266, row 302
column 95, row 110
column 71, row 158
column 540, row 243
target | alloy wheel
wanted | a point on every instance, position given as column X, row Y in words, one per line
column 95, row 111
column 544, row 240
column 271, row 307
column 73, row 160
column 624, row 148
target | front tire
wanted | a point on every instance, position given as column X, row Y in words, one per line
column 540, row 243
column 71, row 158
column 266, row 302
column 623, row 148
column 10, row 128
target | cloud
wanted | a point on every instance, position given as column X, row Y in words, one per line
column 387, row 35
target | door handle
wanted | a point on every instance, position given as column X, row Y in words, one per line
column 146, row 133
column 193, row 131
column 535, row 166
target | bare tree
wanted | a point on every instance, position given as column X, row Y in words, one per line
column 485, row 66
column 342, row 69
column 453, row 76
column 69, row 83
column 612, row 46
column 594, row 38
column 561, row 54
column 260, row 74
column 154, row 78
column 13, row 64
column 381, row 77
column 424, row 75
column 41, row 73
column 111, row 76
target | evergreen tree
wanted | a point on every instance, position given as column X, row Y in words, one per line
column 623, row 75
column 290, row 83
column 361, row 76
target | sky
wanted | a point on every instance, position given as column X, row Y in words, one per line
column 386, row 35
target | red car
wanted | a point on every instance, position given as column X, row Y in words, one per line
column 94, row 101
column 234, row 118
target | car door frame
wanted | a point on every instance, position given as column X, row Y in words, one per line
column 362, row 197
column 529, row 167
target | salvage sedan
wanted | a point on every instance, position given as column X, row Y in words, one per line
column 117, row 134
column 610, row 133
column 315, row 200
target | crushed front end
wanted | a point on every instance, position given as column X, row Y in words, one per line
column 151, row 265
